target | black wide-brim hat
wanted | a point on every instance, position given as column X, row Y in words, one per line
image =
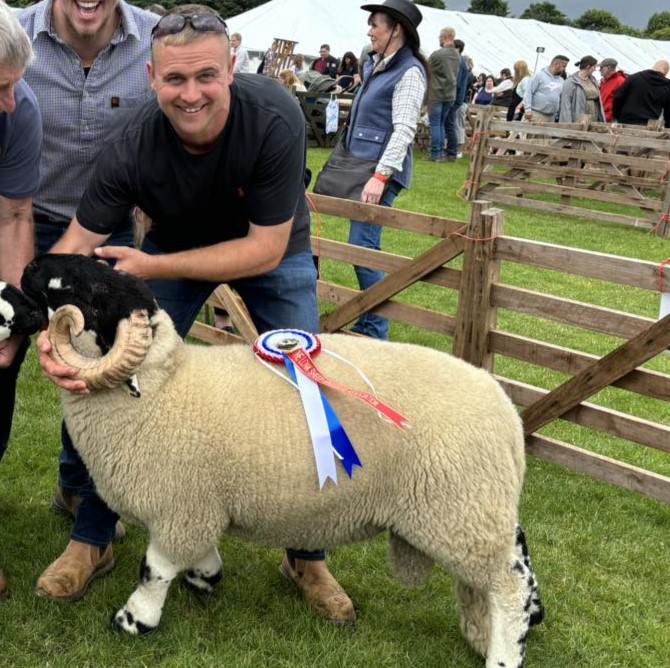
column 404, row 11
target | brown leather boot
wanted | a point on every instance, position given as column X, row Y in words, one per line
column 3, row 585
column 68, row 504
column 69, row 576
column 319, row 588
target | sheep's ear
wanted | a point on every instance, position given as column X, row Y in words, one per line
column 19, row 314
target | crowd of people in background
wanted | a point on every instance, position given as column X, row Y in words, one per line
column 596, row 90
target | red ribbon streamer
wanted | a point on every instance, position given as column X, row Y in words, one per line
column 304, row 362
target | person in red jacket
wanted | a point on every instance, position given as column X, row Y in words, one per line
column 611, row 80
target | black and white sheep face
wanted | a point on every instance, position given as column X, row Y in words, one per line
column 18, row 313
column 103, row 295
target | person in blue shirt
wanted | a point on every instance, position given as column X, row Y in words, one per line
column 21, row 144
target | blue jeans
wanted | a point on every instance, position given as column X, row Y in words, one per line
column 450, row 130
column 284, row 297
column 439, row 112
column 8, row 378
column 368, row 235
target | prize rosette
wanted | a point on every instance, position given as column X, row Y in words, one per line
column 295, row 348
column 272, row 345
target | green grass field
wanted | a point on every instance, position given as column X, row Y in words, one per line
column 600, row 553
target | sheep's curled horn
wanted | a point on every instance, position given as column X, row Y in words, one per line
column 133, row 338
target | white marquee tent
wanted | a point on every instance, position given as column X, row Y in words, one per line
column 491, row 41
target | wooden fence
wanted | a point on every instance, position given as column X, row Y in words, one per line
column 582, row 167
column 470, row 297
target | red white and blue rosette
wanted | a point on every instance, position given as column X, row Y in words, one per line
column 326, row 431
column 273, row 345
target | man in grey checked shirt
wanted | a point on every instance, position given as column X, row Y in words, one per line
column 89, row 72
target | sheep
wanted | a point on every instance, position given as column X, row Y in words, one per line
column 216, row 444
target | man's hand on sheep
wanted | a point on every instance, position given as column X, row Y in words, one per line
column 56, row 373
column 130, row 260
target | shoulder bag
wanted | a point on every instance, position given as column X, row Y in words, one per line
column 344, row 175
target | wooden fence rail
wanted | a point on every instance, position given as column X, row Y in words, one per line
column 473, row 327
column 574, row 169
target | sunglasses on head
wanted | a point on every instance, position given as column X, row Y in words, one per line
column 171, row 24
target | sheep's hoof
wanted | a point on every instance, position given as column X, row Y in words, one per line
column 200, row 583
column 124, row 620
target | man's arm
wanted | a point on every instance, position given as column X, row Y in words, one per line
column 17, row 247
column 17, row 237
column 528, row 96
column 78, row 240
column 259, row 252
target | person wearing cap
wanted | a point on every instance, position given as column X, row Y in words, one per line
column 21, row 142
column 384, row 119
column 542, row 98
column 580, row 95
column 218, row 164
column 644, row 96
column 611, row 80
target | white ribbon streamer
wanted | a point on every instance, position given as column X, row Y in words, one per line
column 317, row 423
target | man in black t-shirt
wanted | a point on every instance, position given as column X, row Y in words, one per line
column 218, row 165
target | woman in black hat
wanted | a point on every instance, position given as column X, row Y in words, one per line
column 383, row 123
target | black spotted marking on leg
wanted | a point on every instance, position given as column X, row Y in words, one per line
column 121, row 617
column 519, row 567
column 538, row 616
column 144, row 629
column 116, row 625
column 145, row 571
column 212, row 579
column 193, row 576
column 521, row 541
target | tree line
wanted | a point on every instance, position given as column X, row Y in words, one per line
column 600, row 20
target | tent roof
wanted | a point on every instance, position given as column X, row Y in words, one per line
column 491, row 41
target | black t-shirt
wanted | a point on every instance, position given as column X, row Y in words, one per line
column 254, row 173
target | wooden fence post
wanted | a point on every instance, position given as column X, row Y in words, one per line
column 476, row 316
column 478, row 151
column 662, row 229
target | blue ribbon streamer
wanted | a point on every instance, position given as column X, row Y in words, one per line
column 338, row 436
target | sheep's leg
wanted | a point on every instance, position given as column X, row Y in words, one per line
column 496, row 621
column 535, row 608
column 475, row 616
column 204, row 574
column 142, row 612
column 510, row 612
column 411, row 566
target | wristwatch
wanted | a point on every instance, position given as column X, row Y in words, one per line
column 386, row 171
